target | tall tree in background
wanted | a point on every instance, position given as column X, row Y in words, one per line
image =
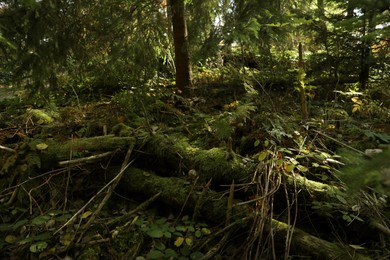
column 180, row 40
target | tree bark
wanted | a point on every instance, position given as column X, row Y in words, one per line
column 366, row 51
column 180, row 39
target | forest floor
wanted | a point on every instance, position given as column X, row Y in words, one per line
column 228, row 172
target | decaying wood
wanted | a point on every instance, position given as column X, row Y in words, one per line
column 78, row 148
column 173, row 156
column 175, row 193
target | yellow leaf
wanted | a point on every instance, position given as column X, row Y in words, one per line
column 262, row 156
column 66, row 240
column 179, row 241
column 355, row 108
column 206, row 231
column 10, row 239
column 357, row 100
column 188, row 241
column 41, row 146
column 290, row 167
column 86, row 214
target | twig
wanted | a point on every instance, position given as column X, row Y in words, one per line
column 187, row 198
column 94, row 197
column 89, row 159
column 229, row 206
column 200, row 200
column 7, row 149
column 216, row 234
column 339, row 142
column 109, row 191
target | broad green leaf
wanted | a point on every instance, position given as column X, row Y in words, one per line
column 188, row 241
column 161, row 221
column 181, row 228
column 170, row 253
column 191, row 228
column 257, row 142
column 38, row 247
column 26, row 240
column 155, row 254
column 279, row 162
column 5, row 227
column 290, row 167
column 302, row 168
column 86, row 214
column 10, row 239
column 19, row 224
column 206, row 231
column 347, row 218
column 40, row 220
column 197, row 255
column 179, row 241
column 159, row 245
column 66, row 240
column 262, row 155
column 198, row 233
column 63, row 218
column 155, row 233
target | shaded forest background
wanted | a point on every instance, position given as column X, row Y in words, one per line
column 183, row 129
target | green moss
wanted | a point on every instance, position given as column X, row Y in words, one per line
column 91, row 253
column 122, row 130
column 40, row 117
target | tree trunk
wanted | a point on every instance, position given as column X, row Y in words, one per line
column 365, row 52
column 301, row 77
column 180, row 39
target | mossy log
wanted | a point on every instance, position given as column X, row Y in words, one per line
column 173, row 154
column 57, row 151
column 177, row 193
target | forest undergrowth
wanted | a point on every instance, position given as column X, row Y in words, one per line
column 326, row 176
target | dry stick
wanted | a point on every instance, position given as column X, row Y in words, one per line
column 140, row 207
column 109, row 191
column 68, row 170
column 85, row 159
column 230, row 204
column 339, row 142
column 187, row 198
column 291, row 227
column 7, row 149
column 200, row 201
column 93, row 198
column 210, row 254
column 223, row 230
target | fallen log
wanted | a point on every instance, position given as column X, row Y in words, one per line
column 174, row 156
column 56, row 151
column 176, row 193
